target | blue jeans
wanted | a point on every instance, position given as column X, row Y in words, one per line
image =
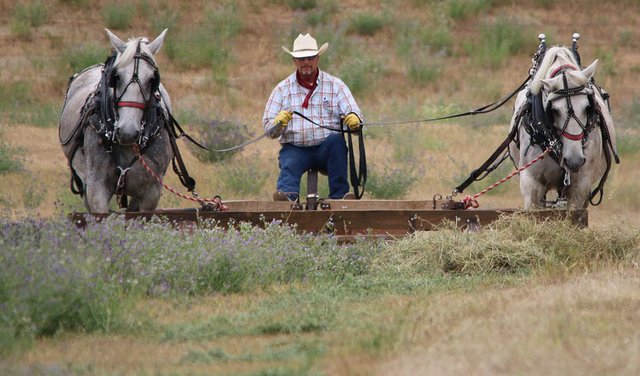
column 329, row 156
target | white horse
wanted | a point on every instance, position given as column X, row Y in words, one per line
column 562, row 109
column 110, row 111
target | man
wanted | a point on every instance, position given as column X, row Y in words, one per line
column 323, row 99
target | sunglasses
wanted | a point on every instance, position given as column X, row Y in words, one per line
column 305, row 58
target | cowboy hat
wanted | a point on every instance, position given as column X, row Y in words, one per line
column 306, row 46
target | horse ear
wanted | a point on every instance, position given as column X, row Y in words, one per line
column 157, row 43
column 550, row 84
column 117, row 43
column 589, row 71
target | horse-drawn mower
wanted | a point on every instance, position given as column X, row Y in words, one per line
column 586, row 109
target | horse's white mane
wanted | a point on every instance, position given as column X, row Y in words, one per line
column 550, row 57
column 126, row 56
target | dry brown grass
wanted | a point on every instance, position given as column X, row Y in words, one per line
column 575, row 325
column 582, row 325
column 258, row 65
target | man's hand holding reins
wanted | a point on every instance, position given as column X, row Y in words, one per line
column 282, row 119
column 352, row 121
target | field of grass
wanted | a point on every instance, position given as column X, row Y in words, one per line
column 523, row 298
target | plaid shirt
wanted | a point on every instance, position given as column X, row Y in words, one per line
column 331, row 99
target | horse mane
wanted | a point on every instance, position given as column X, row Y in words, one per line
column 554, row 53
column 127, row 55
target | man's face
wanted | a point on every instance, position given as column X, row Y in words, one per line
column 306, row 65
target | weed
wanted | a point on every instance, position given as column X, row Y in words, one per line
column 607, row 65
column 219, row 135
column 118, row 15
column 165, row 18
column 367, row 24
column 76, row 58
column 303, row 4
column 26, row 16
column 625, row 38
column 360, row 75
column 498, row 41
column 424, row 73
column 391, row 183
column 76, row 3
column 322, row 15
column 34, row 195
column 463, row 9
column 8, row 160
column 244, row 177
column 208, row 45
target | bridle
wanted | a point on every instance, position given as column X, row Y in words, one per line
column 155, row 83
column 109, row 101
column 566, row 93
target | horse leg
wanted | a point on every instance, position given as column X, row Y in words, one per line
column 578, row 193
column 148, row 201
column 532, row 190
column 97, row 197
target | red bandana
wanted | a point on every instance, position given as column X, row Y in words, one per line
column 307, row 85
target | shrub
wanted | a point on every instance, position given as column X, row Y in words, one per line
column 118, row 15
column 391, row 183
column 76, row 58
column 302, row 4
column 245, row 177
column 207, row 45
column 462, row 9
column 26, row 16
column 367, row 24
column 360, row 74
column 8, row 161
column 219, row 135
column 498, row 41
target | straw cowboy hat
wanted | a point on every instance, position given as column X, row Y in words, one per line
column 306, row 46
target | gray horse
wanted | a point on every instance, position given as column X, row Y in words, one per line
column 111, row 112
column 562, row 108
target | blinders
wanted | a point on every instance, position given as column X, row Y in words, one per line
column 113, row 81
column 109, row 101
column 547, row 118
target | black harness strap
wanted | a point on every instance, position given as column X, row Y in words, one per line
column 473, row 176
column 178, row 164
column 357, row 176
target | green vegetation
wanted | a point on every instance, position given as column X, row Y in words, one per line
column 207, row 44
column 8, row 160
column 56, row 277
column 27, row 16
column 118, row 15
column 367, row 23
column 219, row 135
column 303, row 4
column 245, row 177
column 390, row 183
column 75, row 58
column 498, row 41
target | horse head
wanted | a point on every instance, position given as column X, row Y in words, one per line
column 567, row 98
column 134, row 81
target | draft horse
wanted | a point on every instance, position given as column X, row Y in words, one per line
column 563, row 111
column 111, row 113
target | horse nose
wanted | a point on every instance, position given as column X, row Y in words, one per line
column 574, row 164
column 126, row 138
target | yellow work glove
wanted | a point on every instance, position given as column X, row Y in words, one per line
column 283, row 118
column 352, row 121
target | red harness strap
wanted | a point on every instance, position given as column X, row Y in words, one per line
column 561, row 68
column 137, row 105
